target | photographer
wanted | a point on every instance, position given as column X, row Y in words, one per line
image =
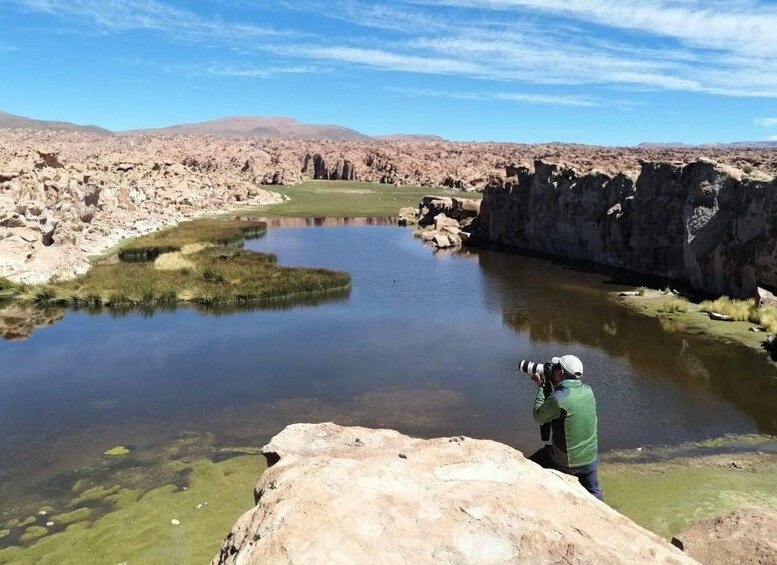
column 571, row 412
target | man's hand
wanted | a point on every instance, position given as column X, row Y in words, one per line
column 537, row 380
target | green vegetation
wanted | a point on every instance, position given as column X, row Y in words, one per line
column 77, row 515
column 199, row 262
column 4, row 533
column 667, row 496
column 32, row 533
column 117, row 451
column 139, row 529
column 344, row 199
column 7, row 288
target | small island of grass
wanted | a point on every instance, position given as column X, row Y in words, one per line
column 200, row 262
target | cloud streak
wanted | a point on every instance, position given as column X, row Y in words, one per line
column 581, row 101
column 715, row 47
column 766, row 122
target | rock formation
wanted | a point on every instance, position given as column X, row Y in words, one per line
column 705, row 223
column 354, row 495
column 66, row 195
column 744, row 536
column 452, row 218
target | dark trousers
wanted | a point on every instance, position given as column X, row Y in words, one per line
column 588, row 475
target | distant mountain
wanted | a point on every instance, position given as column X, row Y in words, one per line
column 9, row 121
column 258, row 126
column 408, row 137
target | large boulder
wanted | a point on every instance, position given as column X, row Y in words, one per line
column 744, row 536
column 354, row 495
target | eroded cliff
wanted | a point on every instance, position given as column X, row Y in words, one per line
column 705, row 223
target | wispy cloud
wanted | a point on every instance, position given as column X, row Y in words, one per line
column 721, row 47
column 773, row 138
column 766, row 122
column 501, row 96
column 266, row 72
column 8, row 48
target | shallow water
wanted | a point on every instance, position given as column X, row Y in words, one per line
column 424, row 343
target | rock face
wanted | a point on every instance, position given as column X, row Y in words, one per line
column 744, row 536
column 355, row 495
column 705, row 223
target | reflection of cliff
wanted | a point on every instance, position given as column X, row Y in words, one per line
column 328, row 222
column 708, row 224
column 555, row 304
column 19, row 321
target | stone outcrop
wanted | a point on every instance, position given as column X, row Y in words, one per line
column 82, row 193
column 704, row 223
column 744, row 536
column 452, row 218
column 355, row 495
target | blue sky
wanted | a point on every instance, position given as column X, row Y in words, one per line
column 585, row 71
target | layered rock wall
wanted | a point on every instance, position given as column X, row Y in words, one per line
column 705, row 223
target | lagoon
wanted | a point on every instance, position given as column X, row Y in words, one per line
column 424, row 342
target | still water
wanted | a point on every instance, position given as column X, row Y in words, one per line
column 426, row 343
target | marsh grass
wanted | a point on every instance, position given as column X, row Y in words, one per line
column 215, row 271
column 213, row 232
column 743, row 311
column 673, row 305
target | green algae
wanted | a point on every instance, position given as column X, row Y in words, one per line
column 78, row 515
column 94, row 494
column 4, row 533
column 139, row 530
column 27, row 522
column 12, row 523
column 32, row 533
column 117, row 451
column 667, row 497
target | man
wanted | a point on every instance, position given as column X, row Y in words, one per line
column 571, row 411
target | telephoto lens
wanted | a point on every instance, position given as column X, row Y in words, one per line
column 531, row 367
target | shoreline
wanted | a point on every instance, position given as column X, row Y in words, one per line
column 693, row 320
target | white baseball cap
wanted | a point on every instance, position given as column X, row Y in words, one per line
column 570, row 364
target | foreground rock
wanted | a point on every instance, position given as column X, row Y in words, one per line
column 744, row 536
column 705, row 223
column 355, row 495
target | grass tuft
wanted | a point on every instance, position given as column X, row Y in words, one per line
column 673, row 305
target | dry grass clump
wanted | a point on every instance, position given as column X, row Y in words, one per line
column 743, row 311
column 673, row 305
column 739, row 310
column 174, row 261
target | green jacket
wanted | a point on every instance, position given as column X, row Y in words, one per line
column 571, row 410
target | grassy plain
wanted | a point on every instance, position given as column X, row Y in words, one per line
column 344, row 199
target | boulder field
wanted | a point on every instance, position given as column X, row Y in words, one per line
column 337, row 494
column 67, row 195
column 705, row 223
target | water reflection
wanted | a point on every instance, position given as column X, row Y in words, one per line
column 18, row 321
column 560, row 305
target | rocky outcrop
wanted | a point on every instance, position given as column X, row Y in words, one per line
column 452, row 220
column 704, row 223
column 56, row 211
column 744, row 536
column 355, row 495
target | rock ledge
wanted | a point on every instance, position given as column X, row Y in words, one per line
column 355, row 495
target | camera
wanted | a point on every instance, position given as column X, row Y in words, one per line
column 545, row 370
column 542, row 369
